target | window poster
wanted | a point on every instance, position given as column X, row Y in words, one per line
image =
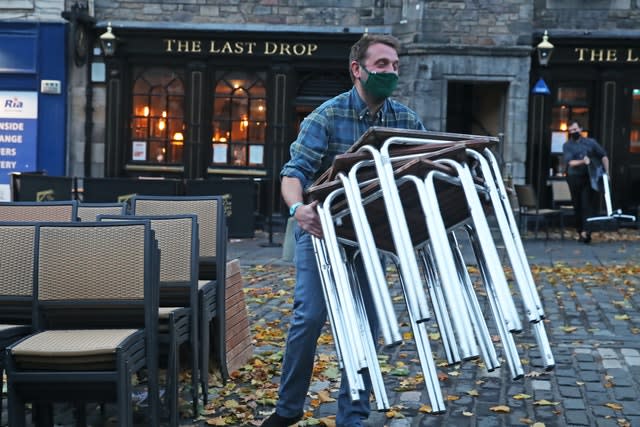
column 219, row 153
column 256, row 154
column 557, row 140
column 18, row 136
column 139, row 151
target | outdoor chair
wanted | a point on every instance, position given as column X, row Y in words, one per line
column 95, row 320
column 88, row 211
column 528, row 209
column 212, row 234
column 53, row 211
column 177, row 238
column 16, row 285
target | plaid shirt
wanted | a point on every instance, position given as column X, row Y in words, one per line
column 334, row 126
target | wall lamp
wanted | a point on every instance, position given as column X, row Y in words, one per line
column 545, row 49
column 108, row 41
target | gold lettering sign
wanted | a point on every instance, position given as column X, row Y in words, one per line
column 590, row 55
column 235, row 47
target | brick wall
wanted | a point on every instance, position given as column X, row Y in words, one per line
column 32, row 10
column 293, row 12
column 587, row 15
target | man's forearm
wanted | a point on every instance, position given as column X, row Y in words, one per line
column 291, row 190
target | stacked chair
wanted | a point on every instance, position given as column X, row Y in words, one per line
column 405, row 194
column 94, row 323
column 88, row 211
column 177, row 237
column 16, row 286
column 212, row 236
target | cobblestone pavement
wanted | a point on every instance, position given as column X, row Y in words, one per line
column 592, row 307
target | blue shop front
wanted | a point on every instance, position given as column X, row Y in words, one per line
column 32, row 100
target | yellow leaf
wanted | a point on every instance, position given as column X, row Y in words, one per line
column 452, row 398
column 501, row 408
column 569, row 329
column 544, row 402
column 473, row 392
column 434, row 336
column 427, row 409
column 467, row 414
column 218, row 421
column 616, row 406
column 407, row 336
column 538, row 424
column 328, row 421
column 521, row 396
column 621, row 317
column 325, row 396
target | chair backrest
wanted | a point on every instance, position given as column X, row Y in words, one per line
column 96, row 275
column 53, row 211
column 560, row 194
column 89, row 211
column 208, row 209
column 16, row 272
column 526, row 196
column 177, row 237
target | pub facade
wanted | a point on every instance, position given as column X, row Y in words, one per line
column 214, row 91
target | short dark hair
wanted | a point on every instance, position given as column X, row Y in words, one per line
column 359, row 49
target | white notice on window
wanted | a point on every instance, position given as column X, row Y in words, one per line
column 139, row 152
column 557, row 140
column 256, row 154
column 219, row 153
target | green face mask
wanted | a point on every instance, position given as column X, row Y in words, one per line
column 380, row 85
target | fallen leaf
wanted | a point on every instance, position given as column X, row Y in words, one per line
column 615, row 406
column 521, row 396
column 501, row 408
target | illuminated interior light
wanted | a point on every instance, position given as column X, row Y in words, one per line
column 145, row 111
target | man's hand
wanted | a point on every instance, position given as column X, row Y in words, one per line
column 308, row 219
column 586, row 160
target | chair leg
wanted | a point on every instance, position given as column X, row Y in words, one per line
column 195, row 369
column 1, row 387
column 16, row 407
column 203, row 330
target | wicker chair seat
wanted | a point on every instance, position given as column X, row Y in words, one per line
column 66, row 343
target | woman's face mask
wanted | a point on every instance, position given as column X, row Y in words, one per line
column 379, row 85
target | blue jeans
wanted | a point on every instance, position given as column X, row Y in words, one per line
column 308, row 319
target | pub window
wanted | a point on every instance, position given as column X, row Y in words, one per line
column 634, row 137
column 239, row 120
column 157, row 120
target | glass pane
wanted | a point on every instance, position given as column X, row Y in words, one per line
column 239, row 130
column 258, row 90
column 221, row 131
column 223, row 88
column 257, row 131
column 221, row 109
column 560, row 117
column 581, row 114
column 238, row 155
column 239, row 107
column 139, row 128
column 158, row 127
column 157, row 152
column 634, row 135
column 141, row 86
column 258, row 110
column 139, row 104
column 572, row 95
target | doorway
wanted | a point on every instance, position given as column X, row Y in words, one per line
column 476, row 108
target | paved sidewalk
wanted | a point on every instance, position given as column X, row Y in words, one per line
column 591, row 296
column 592, row 319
